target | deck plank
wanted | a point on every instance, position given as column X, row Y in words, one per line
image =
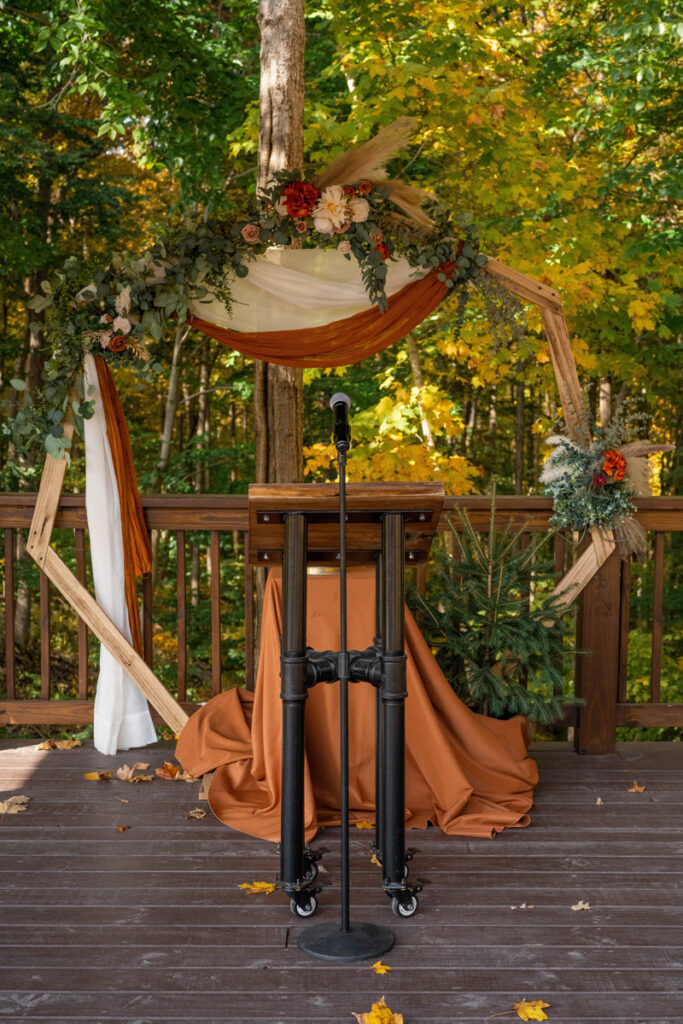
column 149, row 925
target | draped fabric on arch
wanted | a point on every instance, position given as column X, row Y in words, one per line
column 320, row 297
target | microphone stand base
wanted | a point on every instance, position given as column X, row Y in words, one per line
column 362, row 942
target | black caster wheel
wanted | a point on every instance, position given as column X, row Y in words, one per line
column 311, row 873
column 305, row 909
column 404, row 908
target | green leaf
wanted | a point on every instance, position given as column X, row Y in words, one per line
column 17, row 384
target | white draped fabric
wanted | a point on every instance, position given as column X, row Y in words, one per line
column 293, row 289
column 122, row 719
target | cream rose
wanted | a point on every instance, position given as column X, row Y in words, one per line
column 359, row 209
column 324, row 225
column 344, row 247
column 122, row 324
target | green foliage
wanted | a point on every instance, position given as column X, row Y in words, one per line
column 500, row 655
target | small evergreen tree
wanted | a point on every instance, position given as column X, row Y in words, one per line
column 501, row 656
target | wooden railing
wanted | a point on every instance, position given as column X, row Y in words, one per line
column 205, row 530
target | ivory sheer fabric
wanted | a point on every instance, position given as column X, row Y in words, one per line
column 467, row 774
column 122, row 719
column 295, row 289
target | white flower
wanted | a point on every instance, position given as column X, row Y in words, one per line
column 332, row 206
column 281, row 210
column 105, row 338
column 344, row 247
column 324, row 225
column 122, row 324
column 122, row 301
column 359, row 209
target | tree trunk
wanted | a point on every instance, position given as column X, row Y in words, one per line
column 519, row 431
column 278, row 398
column 605, row 399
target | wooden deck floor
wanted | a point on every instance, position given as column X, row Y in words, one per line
column 149, row 925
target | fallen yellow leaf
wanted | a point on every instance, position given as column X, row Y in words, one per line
column 635, row 788
column 258, row 887
column 364, row 823
column 581, row 905
column 198, row 812
column 97, row 776
column 14, row 804
column 532, row 1010
column 523, row 906
column 380, row 968
column 599, row 801
column 375, row 860
column 379, row 1014
column 122, row 828
column 121, row 799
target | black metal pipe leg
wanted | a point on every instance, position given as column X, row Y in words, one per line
column 393, row 700
column 293, row 695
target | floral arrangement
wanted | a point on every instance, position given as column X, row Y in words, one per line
column 595, row 484
column 116, row 309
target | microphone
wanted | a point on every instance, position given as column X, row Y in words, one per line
column 339, row 404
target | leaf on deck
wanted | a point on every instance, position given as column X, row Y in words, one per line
column 380, row 968
column 14, row 805
column 198, row 812
column 523, row 906
column 174, row 772
column 531, row 1010
column 126, row 774
column 581, row 905
column 379, row 1014
column 635, row 788
column 258, row 887
column 364, row 823
column 59, row 744
column 98, row 776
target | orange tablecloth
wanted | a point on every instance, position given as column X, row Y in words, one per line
column 467, row 774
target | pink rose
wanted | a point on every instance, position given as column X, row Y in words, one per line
column 376, row 237
column 301, row 227
column 122, row 324
column 343, row 227
column 344, row 247
column 250, row 232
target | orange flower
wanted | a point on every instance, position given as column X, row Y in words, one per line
column 118, row 342
column 299, row 199
column 614, row 464
column 364, row 187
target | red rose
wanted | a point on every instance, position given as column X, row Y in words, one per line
column 383, row 251
column 349, row 190
column 599, row 480
column 364, row 187
column 118, row 342
column 299, row 198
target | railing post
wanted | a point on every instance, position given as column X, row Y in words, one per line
column 597, row 670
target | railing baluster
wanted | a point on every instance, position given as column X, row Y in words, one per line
column 559, row 555
column 79, row 537
column 215, row 554
column 657, row 619
column 147, row 619
column 10, row 664
column 44, row 637
column 624, row 626
column 181, row 585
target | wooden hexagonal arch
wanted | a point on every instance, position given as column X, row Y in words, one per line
column 98, row 621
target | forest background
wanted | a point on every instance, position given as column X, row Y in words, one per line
column 556, row 126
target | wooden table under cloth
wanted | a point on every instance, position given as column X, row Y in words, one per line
column 467, row 774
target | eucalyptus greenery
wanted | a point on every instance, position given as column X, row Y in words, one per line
column 113, row 310
column 501, row 656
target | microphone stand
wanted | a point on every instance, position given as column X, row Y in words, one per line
column 352, row 940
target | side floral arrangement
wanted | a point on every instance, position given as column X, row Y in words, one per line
column 595, row 484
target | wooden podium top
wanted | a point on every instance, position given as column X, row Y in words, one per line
column 419, row 503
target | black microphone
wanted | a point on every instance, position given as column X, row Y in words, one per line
column 339, row 404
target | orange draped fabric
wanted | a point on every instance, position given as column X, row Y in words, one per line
column 341, row 342
column 137, row 552
column 467, row 774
